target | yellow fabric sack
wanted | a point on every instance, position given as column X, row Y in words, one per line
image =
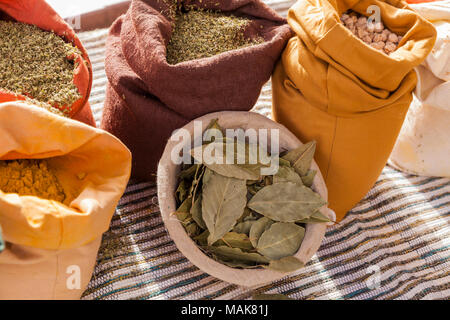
column 423, row 146
column 331, row 87
column 47, row 242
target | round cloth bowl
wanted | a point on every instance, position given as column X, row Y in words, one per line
column 167, row 184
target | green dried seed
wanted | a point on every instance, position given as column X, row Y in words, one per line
column 35, row 63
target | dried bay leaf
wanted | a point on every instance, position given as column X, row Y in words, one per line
column 196, row 212
column 183, row 211
column 254, row 189
column 197, row 179
column 252, row 182
column 258, row 228
column 287, row 174
column 309, row 178
column 235, row 240
column 206, row 176
column 286, row 202
column 236, row 254
column 284, row 163
column 280, row 240
column 240, row 264
column 286, row 264
column 301, row 158
column 202, row 238
column 223, row 203
column 268, row 180
column 192, row 229
column 316, row 217
column 240, row 168
column 182, row 191
column 244, row 227
column 247, row 212
column 209, row 132
column 189, row 172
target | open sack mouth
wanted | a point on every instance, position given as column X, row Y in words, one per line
column 42, row 60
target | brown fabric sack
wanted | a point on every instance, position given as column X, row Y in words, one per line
column 147, row 99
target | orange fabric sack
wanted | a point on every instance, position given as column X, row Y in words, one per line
column 331, row 87
column 45, row 239
column 40, row 14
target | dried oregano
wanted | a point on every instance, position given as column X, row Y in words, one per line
column 37, row 64
column 201, row 34
column 244, row 219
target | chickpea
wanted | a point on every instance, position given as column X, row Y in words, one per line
column 393, row 38
column 367, row 39
column 378, row 45
column 379, row 37
column 379, row 26
column 374, row 34
column 362, row 22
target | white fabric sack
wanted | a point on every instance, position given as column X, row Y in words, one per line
column 423, row 146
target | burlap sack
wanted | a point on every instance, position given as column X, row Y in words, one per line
column 423, row 146
column 44, row 238
column 147, row 99
column 351, row 98
column 167, row 184
column 40, row 14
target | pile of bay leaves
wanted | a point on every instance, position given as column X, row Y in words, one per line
column 244, row 219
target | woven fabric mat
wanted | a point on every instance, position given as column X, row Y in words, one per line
column 395, row 244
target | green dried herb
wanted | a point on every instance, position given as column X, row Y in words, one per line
column 286, row 202
column 286, row 264
column 235, row 254
column 308, row 179
column 244, row 227
column 235, row 240
column 196, row 212
column 258, row 228
column 246, row 220
column 280, row 240
column 287, row 174
column 2, row 244
column 301, row 158
column 200, row 34
column 241, row 168
column 38, row 64
column 223, row 203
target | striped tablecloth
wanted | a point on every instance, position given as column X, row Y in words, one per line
column 394, row 245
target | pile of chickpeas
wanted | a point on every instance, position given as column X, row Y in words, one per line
column 374, row 34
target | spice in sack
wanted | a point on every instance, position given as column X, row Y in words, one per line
column 372, row 33
column 37, row 64
column 30, row 178
column 244, row 219
column 200, row 34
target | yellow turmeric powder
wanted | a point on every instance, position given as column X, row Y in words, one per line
column 30, row 178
